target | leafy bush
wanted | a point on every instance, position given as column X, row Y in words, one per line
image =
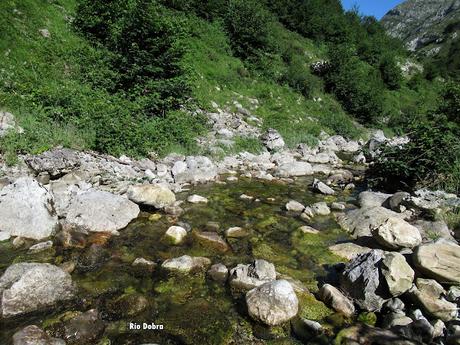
column 391, row 73
column 248, row 24
column 298, row 77
column 432, row 157
column 451, row 102
column 356, row 84
column 426, row 161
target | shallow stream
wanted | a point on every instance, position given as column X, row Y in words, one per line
column 192, row 308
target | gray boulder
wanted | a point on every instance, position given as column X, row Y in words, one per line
column 99, row 211
column 321, row 187
column 26, row 202
column 440, row 260
column 359, row 222
column 195, row 169
column 348, row 250
column 335, row 299
column 361, row 280
column 272, row 303
column 157, row 196
column 64, row 189
column 273, row 140
column 372, row 199
column 433, row 230
column 294, row 206
column 28, row 287
column 427, row 294
column 56, row 162
column 218, row 272
column 294, row 169
column 396, row 233
column 397, row 272
column 8, row 123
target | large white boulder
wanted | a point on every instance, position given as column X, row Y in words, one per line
column 156, row 195
column 272, row 303
column 26, row 210
column 99, row 211
column 28, row 287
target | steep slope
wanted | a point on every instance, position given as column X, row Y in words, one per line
column 424, row 25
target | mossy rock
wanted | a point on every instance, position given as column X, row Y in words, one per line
column 312, row 309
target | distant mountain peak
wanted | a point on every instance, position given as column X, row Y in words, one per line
column 424, row 25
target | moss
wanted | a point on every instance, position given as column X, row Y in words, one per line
column 155, row 217
column 205, row 322
column 312, row 309
column 368, row 318
column 179, row 289
column 315, row 246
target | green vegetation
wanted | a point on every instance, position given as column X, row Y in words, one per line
column 125, row 77
column 431, row 158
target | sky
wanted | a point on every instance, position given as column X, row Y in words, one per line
column 376, row 8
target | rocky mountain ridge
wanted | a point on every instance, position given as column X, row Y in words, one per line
column 424, row 25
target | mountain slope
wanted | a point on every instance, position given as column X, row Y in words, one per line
column 424, row 25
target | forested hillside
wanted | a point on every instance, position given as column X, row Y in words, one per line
column 127, row 77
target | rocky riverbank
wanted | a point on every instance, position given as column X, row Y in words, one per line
column 251, row 243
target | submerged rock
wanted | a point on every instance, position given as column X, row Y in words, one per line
column 26, row 202
column 236, row 232
column 294, row 206
column 440, row 260
column 321, row 187
column 218, row 272
column 395, row 233
column 85, row 328
column 28, row 287
column 175, row 234
column 246, row 277
column 212, row 240
column 335, row 299
column 33, row 335
column 308, row 230
column 157, row 196
column 40, row 247
column 272, row 303
column 197, row 199
column 99, row 211
column 186, row 264
column 364, row 334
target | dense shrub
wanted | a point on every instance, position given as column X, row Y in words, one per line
column 248, row 25
column 391, row 73
column 145, row 43
column 426, row 161
column 451, row 103
column 357, row 85
column 432, row 157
